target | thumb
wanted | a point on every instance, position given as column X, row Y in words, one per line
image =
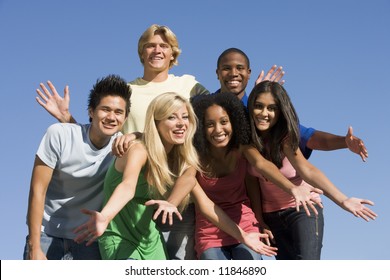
column 150, row 202
column 350, row 131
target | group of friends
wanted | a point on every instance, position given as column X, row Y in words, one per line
column 167, row 170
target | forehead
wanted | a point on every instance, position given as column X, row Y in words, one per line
column 233, row 58
column 157, row 38
column 215, row 111
column 265, row 97
column 113, row 101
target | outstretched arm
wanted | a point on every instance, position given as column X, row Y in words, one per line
column 182, row 187
column 327, row 142
column 57, row 106
column 131, row 166
column 218, row 217
column 315, row 177
column 274, row 74
column 301, row 194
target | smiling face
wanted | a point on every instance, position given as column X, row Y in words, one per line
column 233, row 73
column 106, row 119
column 265, row 112
column 157, row 54
column 173, row 129
column 218, row 128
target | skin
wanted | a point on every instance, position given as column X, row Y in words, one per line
column 218, row 132
column 156, row 57
column 265, row 115
column 233, row 74
column 172, row 132
column 107, row 119
column 173, row 129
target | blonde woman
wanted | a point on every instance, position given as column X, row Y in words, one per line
column 152, row 164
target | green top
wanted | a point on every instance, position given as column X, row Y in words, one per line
column 132, row 234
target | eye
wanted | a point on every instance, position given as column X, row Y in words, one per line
column 149, row 45
column 119, row 112
column 224, row 121
column 258, row 106
column 273, row 108
column 209, row 124
column 165, row 46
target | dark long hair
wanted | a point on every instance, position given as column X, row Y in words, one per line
column 286, row 126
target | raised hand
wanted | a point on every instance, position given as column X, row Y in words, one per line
column 57, row 106
column 167, row 209
column 275, row 74
column 356, row 145
column 358, row 209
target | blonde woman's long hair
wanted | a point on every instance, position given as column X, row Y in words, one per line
column 165, row 32
column 162, row 171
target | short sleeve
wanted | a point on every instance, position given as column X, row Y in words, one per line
column 305, row 134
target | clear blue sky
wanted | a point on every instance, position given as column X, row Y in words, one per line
column 335, row 54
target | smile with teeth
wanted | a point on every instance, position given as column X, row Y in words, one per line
column 262, row 121
column 179, row 132
column 220, row 137
column 109, row 125
column 233, row 83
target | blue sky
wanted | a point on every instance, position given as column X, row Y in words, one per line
column 335, row 54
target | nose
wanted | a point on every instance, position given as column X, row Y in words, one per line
column 180, row 122
column 217, row 128
column 264, row 112
column 157, row 48
column 111, row 115
column 234, row 71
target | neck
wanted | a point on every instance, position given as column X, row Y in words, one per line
column 98, row 141
column 240, row 94
column 156, row 77
column 218, row 153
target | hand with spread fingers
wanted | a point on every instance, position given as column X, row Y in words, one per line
column 275, row 74
column 253, row 241
column 52, row 102
column 358, row 209
column 166, row 210
column 91, row 230
column 356, row 145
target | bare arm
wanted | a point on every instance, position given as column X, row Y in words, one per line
column 272, row 173
column 254, row 194
column 40, row 179
column 131, row 166
column 327, row 142
column 315, row 177
column 218, row 217
column 182, row 187
column 53, row 103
